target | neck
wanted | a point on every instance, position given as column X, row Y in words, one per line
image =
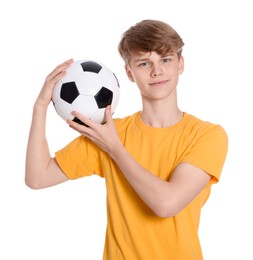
column 157, row 114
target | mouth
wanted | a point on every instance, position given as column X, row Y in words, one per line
column 159, row 83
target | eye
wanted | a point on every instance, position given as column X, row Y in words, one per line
column 166, row 60
column 144, row 64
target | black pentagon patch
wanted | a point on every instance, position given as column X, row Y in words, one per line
column 91, row 66
column 104, row 97
column 69, row 92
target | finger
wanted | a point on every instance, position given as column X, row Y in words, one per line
column 108, row 114
column 83, row 133
column 85, row 120
column 82, row 129
column 57, row 77
column 60, row 69
column 62, row 66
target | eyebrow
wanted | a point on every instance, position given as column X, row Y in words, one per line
column 146, row 59
column 142, row 59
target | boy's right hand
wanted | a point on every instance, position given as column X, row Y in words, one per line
column 45, row 95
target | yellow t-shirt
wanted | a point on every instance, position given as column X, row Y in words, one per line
column 134, row 232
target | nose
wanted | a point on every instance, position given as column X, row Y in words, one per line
column 156, row 70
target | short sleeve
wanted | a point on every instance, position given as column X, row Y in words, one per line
column 79, row 158
column 208, row 151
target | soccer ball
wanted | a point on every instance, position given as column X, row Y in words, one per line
column 88, row 88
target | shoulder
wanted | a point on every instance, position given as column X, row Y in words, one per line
column 125, row 122
column 205, row 138
column 199, row 127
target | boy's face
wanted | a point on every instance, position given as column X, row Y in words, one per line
column 155, row 75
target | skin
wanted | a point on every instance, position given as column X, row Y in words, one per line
column 156, row 77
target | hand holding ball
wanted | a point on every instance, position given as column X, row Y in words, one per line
column 88, row 88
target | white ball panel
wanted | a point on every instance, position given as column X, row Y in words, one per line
column 57, row 91
column 99, row 116
column 85, row 105
column 88, row 83
column 63, row 109
column 108, row 80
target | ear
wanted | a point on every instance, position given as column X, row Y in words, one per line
column 129, row 73
column 181, row 65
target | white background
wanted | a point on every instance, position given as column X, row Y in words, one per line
column 68, row 221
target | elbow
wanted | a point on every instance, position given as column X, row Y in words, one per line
column 32, row 184
column 34, row 179
column 167, row 209
column 165, row 213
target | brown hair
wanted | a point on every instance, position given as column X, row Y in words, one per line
column 147, row 36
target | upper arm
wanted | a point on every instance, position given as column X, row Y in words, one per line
column 56, row 174
column 187, row 181
column 51, row 176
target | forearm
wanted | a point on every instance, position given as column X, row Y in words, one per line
column 37, row 155
column 42, row 170
column 154, row 191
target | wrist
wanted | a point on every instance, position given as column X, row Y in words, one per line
column 39, row 106
column 117, row 152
